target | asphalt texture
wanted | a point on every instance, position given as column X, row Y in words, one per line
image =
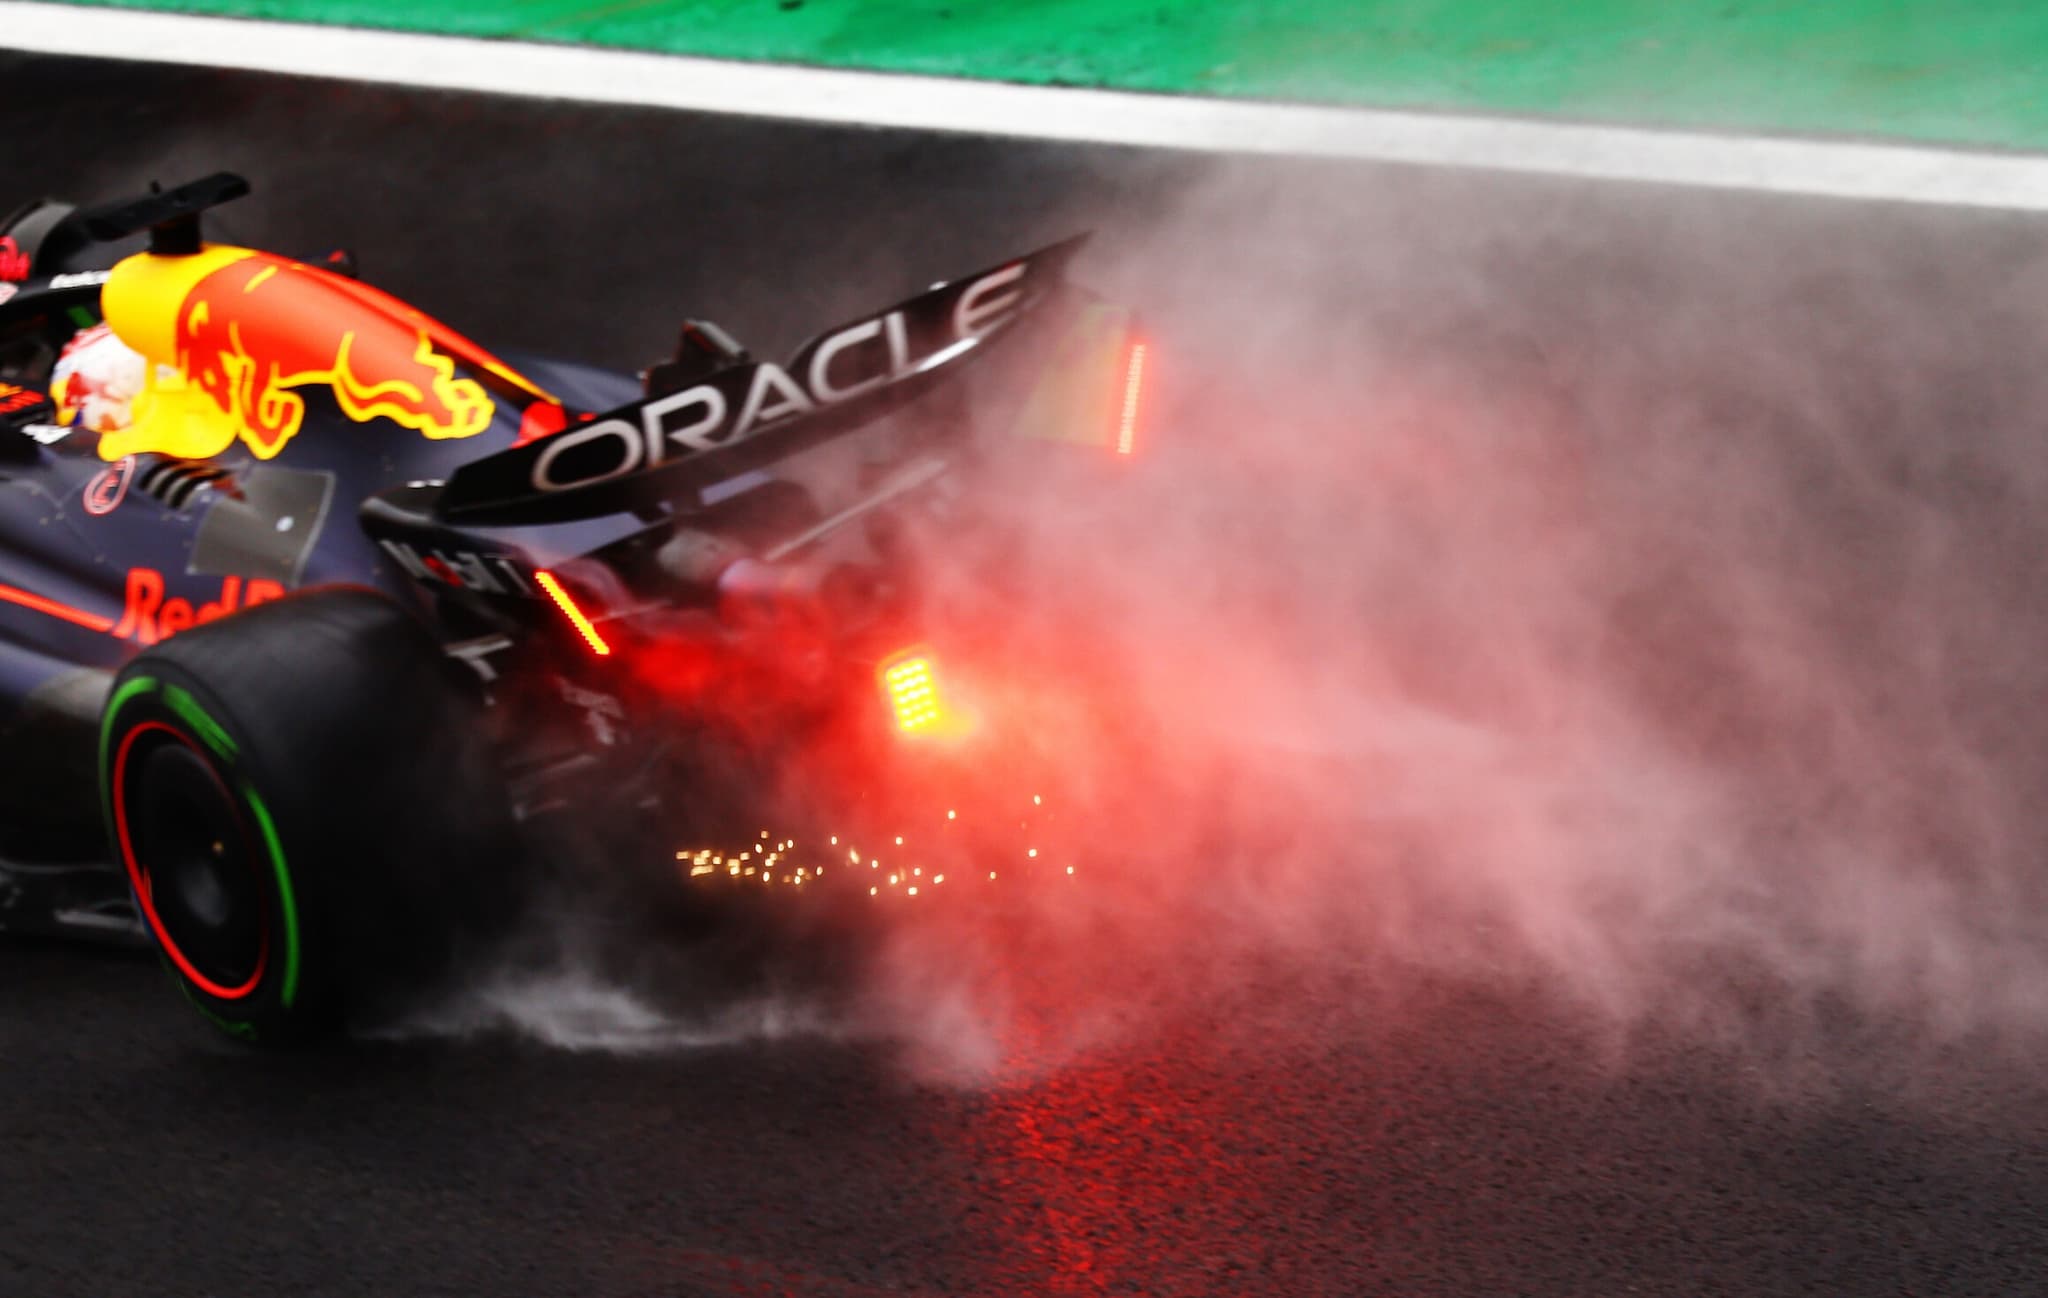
column 1218, row 1108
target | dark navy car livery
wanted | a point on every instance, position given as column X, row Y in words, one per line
column 313, row 610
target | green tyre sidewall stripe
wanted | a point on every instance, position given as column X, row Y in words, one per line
column 122, row 694
column 210, row 732
column 183, row 708
column 286, row 899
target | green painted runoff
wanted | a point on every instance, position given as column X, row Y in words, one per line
column 1959, row 71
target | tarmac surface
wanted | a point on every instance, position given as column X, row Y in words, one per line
column 1208, row 1102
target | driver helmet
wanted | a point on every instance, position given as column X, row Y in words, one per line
column 97, row 380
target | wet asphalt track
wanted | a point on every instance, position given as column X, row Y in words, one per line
column 1366, row 1130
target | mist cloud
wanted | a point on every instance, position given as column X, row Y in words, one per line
column 1630, row 595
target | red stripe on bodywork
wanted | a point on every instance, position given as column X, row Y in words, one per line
column 76, row 616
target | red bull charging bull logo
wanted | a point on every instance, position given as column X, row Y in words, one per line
column 241, row 337
column 255, row 330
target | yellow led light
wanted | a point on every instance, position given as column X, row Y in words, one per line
column 913, row 693
column 1134, row 383
column 569, row 610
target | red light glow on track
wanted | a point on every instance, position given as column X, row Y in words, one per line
column 569, row 610
column 1134, row 386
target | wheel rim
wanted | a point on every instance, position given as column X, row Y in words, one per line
column 192, row 862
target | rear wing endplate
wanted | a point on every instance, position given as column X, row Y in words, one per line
column 662, row 447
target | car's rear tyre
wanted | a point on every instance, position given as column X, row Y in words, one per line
column 302, row 802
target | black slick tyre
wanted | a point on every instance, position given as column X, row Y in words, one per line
column 304, row 808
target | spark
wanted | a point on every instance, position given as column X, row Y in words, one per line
column 913, row 892
column 951, row 814
column 1031, row 852
column 696, row 870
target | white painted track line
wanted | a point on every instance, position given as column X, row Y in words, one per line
column 1835, row 169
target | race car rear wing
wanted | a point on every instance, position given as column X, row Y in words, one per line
column 673, row 443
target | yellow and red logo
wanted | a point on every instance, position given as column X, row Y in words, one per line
column 237, row 336
column 14, row 399
column 254, row 330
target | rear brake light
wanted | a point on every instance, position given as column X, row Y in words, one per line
column 569, row 610
column 1134, row 387
column 913, row 692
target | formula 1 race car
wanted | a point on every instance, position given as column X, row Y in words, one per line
column 315, row 615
